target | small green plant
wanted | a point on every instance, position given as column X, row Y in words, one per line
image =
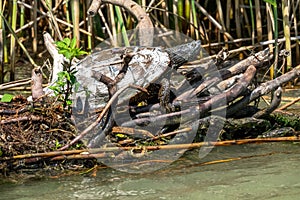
column 66, row 80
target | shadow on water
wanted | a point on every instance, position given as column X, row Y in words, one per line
column 267, row 171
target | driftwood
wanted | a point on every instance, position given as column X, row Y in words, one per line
column 144, row 26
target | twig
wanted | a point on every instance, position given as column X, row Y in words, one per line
column 289, row 104
column 15, row 84
column 20, row 119
column 153, row 148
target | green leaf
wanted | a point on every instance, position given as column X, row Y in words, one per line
column 67, row 41
column 81, row 52
column 73, row 43
column 6, row 98
column 69, row 55
column 272, row 2
column 61, row 45
column 69, row 102
column 63, row 51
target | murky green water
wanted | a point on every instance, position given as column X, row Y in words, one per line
column 271, row 172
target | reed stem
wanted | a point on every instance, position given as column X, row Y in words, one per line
column 287, row 35
column 75, row 19
column 13, row 40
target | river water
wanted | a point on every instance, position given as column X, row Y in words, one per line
column 254, row 171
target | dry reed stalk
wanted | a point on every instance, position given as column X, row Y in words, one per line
column 112, row 23
column 106, row 27
column 34, row 28
column 258, row 21
column 13, row 40
column 165, row 14
column 90, row 30
column 75, row 20
column 270, row 28
column 294, row 19
column 228, row 14
column 22, row 17
column 18, row 41
column 175, row 12
column 221, row 17
column 195, row 21
column 1, row 48
column 252, row 22
column 213, row 21
column 287, row 35
column 53, row 19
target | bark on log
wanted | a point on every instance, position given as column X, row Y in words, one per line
column 271, row 85
column 274, row 104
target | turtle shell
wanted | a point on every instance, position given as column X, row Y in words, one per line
column 146, row 66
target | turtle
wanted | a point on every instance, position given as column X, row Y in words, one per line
column 146, row 67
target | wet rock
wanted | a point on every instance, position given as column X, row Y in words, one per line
column 244, row 128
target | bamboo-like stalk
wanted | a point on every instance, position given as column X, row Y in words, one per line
column 228, row 14
column 252, row 22
column 122, row 25
column 1, row 48
column 258, row 21
column 90, row 30
column 246, row 18
column 237, row 13
column 75, row 19
column 195, row 21
column 67, row 13
column 113, row 24
column 222, row 21
column 171, row 16
column 187, row 12
column 294, row 18
column 176, row 21
column 52, row 17
column 166, row 15
column 34, row 28
column 1, row 56
column 276, row 38
column 13, row 40
column 286, row 29
column 107, row 27
column 22, row 17
column 180, row 8
column 270, row 22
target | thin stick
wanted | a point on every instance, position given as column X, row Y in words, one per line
column 289, row 104
column 153, row 148
column 15, row 84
